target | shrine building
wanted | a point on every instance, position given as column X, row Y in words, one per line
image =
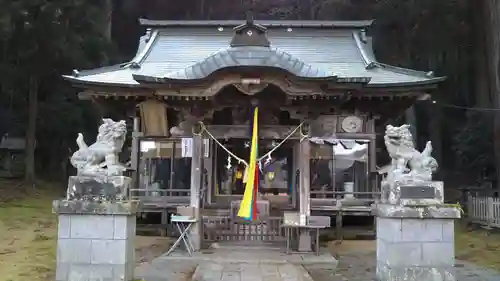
column 188, row 94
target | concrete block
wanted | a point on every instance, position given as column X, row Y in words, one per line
column 108, row 252
column 438, row 254
column 415, row 273
column 305, row 241
column 131, row 226
column 64, row 226
column 415, row 230
column 93, row 272
column 381, row 250
column 90, row 272
column 398, row 254
column 129, row 270
column 121, row 227
column 92, row 227
column 130, row 252
column 448, row 230
column 73, row 251
column 62, row 271
column 389, row 229
column 123, row 272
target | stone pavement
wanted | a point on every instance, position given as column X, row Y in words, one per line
column 266, row 253
column 356, row 265
column 235, row 263
column 211, row 271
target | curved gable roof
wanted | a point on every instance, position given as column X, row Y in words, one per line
column 241, row 57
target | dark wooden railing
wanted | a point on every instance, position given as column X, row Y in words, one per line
column 225, row 228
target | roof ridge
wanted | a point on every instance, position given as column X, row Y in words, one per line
column 134, row 63
column 408, row 71
column 109, row 68
column 265, row 23
column 139, row 58
column 372, row 62
column 359, row 45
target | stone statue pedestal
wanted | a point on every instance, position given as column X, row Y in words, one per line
column 112, row 189
column 95, row 240
column 412, row 193
column 415, row 233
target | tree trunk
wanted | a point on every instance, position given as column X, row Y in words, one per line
column 482, row 92
column 109, row 18
column 492, row 18
column 30, row 176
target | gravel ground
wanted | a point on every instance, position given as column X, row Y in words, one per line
column 147, row 248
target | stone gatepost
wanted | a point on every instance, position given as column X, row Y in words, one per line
column 97, row 221
column 415, row 230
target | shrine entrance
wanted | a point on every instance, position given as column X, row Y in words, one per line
column 277, row 191
column 276, row 175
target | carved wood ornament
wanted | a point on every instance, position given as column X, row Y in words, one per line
column 292, row 89
column 250, row 89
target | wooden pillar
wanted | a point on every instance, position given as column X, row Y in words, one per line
column 196, row 182
column 305, row 244
column 134, row 154
column 372, row 176
column 209, row 167
column 372, row 147
column 136, row 133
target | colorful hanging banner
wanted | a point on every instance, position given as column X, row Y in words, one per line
column 248, row 206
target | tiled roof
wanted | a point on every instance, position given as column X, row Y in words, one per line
column 175, row 49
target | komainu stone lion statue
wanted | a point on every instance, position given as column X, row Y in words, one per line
column 99, row 161
column 407, row 164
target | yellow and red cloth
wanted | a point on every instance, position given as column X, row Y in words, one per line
column 248, row 206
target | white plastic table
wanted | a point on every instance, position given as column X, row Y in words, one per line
column 183, row 224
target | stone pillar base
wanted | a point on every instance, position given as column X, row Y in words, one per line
column 95, row 240
column 415, row 243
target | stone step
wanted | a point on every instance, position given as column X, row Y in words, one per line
column 214, row 271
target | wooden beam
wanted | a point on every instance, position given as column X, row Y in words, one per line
column 243, row 131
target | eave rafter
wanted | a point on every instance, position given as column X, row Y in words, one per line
column 293, row 90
